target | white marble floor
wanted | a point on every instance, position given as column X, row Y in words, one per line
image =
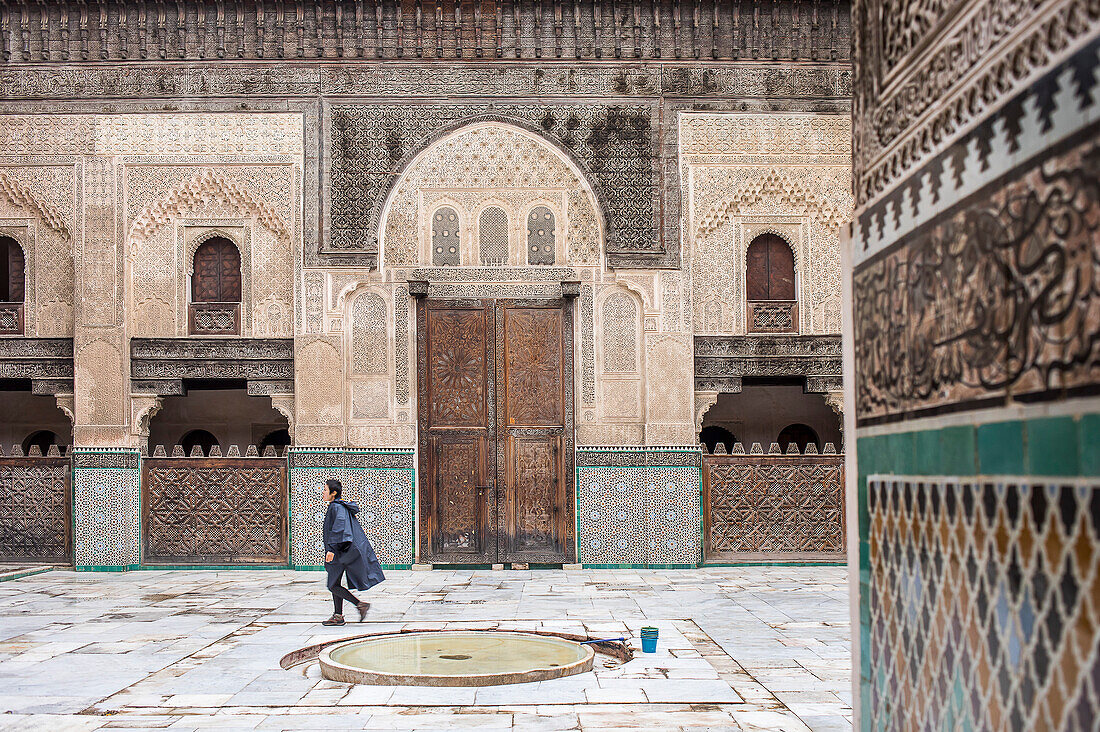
column 744, row 648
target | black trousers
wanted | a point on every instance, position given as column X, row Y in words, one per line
column 341, row 593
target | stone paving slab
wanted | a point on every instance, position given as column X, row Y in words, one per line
column 741, row 648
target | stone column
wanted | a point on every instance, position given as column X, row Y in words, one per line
column 101, row 360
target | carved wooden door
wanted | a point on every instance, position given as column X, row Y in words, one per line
column 457, row 422
column 532, row 432
column 496, row 424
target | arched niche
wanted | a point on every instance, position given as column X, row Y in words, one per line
column 491, row 163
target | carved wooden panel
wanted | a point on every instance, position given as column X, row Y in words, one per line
column 535, row 429
column 455, row 352
column 214, row 510
column 217, row 276
column 533, row 366
column 457, row 367
column 34, row 509
column 459, row 495
column 535, row 497
column 771, row 504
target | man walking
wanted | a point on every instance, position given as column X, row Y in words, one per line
column 347, row 552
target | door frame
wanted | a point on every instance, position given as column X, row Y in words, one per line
column 497, row 451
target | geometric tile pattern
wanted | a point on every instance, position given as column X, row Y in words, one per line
column 637, row 513
column 381, row 482
column 106, row 508
column 983, row 602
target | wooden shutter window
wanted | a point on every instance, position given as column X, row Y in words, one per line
column 217, row 276
column 769, row 269
column 11, row 271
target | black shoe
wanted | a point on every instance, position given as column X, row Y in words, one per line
column 334, row 620
column 363, row 608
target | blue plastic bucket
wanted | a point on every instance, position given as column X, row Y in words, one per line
column 649, row 645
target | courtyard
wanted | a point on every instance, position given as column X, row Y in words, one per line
column 741, row 648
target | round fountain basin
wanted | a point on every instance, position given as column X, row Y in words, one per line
column 454, row 658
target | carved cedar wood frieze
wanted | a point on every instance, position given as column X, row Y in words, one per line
column 46, row 362
column 159, row 365
column 388, row 29
column 722, row 361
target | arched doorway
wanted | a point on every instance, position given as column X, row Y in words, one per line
column 198, row 438
column 277, row 439
column 713, row 435
column 41, row 439
column 800, row 434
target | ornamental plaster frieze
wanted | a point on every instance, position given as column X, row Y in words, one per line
column 155, row 135
column 196, row 193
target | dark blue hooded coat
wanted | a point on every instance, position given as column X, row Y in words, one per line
column 352, row 553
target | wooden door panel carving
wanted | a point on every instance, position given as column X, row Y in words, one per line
column 496, row 421
column 535, row 497
column 533, row 366
column 460, row 516
column 458, row 367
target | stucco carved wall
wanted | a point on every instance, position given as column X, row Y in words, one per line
column 38, row 210
column 485, row 165
column 109, row 207
column 747, row 174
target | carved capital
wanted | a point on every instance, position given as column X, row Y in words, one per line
column 835, row 400
column 67, row 404
column 285, row 404
column 704, row 400
column 142, row 409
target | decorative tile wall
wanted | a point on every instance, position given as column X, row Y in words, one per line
column 106, row 508
column 639, row 506
column 975, row 258
column 380, row 481
column 983, row 599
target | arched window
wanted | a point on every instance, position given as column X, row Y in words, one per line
column 770, row 269
column 769, row 286
column 201, row 438
column 217, row 276
column 12, row 291
column 445, row 238
column 216, row 288
column 540, row 236
column 492, row 234
column 799, row 434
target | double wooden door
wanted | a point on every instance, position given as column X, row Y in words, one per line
column 496, row 430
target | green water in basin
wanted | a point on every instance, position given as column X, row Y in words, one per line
column 446, row 653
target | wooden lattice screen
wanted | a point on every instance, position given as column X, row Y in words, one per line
column 764, row 505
